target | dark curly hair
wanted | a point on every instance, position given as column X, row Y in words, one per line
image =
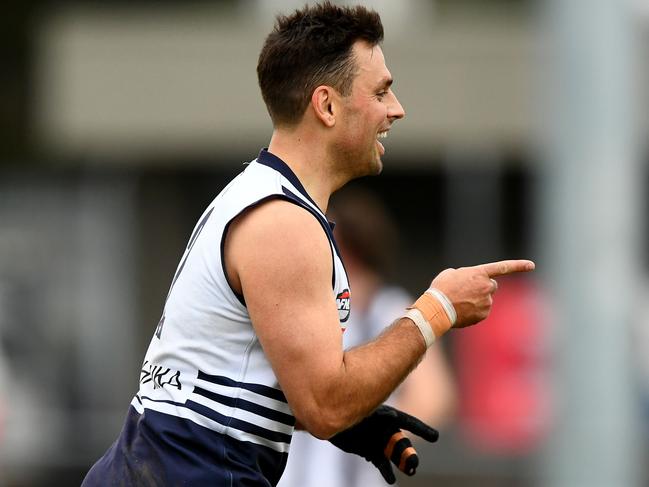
column 309, row 48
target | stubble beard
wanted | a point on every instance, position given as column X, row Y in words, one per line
column 356, row 163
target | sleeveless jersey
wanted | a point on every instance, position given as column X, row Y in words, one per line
column 209, row 410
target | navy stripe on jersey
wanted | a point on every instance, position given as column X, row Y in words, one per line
column 166, row 401
column 240, row 403
column 260, row 389
column 238, row 423
column 229, row 421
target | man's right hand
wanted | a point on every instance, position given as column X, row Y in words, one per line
column 471, row 289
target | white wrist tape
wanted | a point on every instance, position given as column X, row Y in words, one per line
column 446, row 303
column 424, row 327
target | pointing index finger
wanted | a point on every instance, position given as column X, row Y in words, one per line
column 504, row 267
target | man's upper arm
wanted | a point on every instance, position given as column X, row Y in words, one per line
column 279, row 257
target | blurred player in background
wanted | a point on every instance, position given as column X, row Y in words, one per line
column 249, row 345
column 368, row 239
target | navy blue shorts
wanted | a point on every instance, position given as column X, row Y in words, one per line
column 156, row 449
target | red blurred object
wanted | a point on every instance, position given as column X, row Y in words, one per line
column 502, row 372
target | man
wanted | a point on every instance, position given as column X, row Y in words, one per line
column 249, row 345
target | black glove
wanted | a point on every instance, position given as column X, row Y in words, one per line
column 378, row 438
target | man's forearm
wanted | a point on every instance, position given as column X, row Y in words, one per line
column 343, row 387
column 369, row 373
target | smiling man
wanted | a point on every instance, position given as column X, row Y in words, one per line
column 249, row 345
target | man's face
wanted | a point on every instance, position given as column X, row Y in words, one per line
column 368, row 113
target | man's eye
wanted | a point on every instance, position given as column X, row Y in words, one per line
column 381, row 94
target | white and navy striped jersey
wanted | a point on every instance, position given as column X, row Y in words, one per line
column 209, row 410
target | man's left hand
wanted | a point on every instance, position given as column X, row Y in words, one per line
column 378, row 438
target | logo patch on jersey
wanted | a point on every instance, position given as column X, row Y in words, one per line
column 159, row 376
column 343, row 301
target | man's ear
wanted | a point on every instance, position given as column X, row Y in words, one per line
column 324, row 103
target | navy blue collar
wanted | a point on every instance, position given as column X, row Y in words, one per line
column 271, row 160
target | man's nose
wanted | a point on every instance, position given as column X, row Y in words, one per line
column 396, row 111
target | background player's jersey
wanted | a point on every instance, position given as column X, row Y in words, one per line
column 209, row 410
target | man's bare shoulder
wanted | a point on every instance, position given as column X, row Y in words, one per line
column 281, row 221
column 277, row 238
